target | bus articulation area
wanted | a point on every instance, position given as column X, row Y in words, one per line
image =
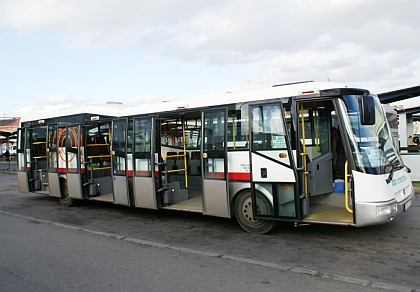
column 305, row 152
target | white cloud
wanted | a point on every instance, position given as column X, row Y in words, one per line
column 147, row 98
column 371, row 43
column 57, row 99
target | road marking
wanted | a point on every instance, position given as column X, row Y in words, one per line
column 314, row 273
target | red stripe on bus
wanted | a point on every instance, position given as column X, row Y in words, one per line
column 236, row 176
column 239, row 176
column 143, row 173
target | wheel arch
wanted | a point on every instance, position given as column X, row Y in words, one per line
column 245, row 188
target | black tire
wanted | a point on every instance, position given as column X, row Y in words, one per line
column 245, row 217
column 65, row 200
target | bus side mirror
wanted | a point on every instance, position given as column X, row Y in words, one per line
column 367, row 110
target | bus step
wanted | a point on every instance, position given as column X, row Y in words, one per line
column 174, row 194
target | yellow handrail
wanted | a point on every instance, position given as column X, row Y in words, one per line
column 233, row 132
column 185, row 154
column 99, row 156
column 173, row 170
column 304, row 153
column 172, row 156
column 99, row 168
column 316, row 134
column 346, row 187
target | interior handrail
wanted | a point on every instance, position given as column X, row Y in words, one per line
column 304, row 153
column 346, row 186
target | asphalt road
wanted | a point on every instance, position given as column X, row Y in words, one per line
column 315, row 257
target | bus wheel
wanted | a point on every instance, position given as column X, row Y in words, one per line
column 65, row 200
column 245, row 217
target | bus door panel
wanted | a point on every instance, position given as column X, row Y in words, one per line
column 74, row 161
column 320, row 175
column 98, row 178
column 316, row 139
column 36, row 158
column 52, row 161
column 119, row 161
column 214, row 163
column 273, row 176
column 144, row 163
column 23, row 168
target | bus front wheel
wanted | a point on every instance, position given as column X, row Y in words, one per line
column 244, row 214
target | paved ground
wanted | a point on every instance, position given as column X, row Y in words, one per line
column 46, row 256
column 378, row 255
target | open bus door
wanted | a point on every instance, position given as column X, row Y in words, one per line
column 32, row 159
column 273, row 176
column 52, row 161
column 74, row 159
column 144, row 163
column 214, row 163
column 323, row 159
column 98, row 177
column 119, row 161
column 23, row 169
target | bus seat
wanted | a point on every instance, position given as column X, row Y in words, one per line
column 194, row 163
column 170, row 154
column 171, row 161
column 195, row 155
column 180, row 160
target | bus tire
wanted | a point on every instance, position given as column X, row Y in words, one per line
column 244, row 214
column 65, row 200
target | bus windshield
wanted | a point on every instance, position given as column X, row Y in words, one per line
column 374, row 150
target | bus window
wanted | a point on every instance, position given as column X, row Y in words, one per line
column 238, row 133
column 268, row 132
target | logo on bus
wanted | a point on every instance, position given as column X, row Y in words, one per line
column 399, row 180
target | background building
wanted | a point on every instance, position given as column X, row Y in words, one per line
column 8, row 129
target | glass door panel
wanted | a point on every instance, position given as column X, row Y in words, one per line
column 214, row 149
column 52, row 161
column 73, row 143
column 144, row 164
column 272, row 174
column 119, row 161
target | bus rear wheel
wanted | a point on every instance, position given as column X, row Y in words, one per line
column 244, row 214
column 65, row 200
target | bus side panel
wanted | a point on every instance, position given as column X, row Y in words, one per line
column 120, row 190
column 275, row 172
column 54, row 184
column 23, row 182
column 145, row 192
column 74, row 185
column 215, row 202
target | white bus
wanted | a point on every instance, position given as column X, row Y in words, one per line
column 261, row 156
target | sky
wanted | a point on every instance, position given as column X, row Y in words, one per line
column 61, row 53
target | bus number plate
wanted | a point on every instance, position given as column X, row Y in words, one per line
column 407, row 205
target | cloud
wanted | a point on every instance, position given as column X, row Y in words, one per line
column 147, row 98
column 57, row 99
column 368, row 42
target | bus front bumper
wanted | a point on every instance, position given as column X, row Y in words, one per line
column 381, row 212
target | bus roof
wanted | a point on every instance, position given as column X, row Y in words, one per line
column 116, row 109
column 232, row 97
column 104, row 109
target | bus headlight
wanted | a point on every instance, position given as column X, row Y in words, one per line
column 387, row 209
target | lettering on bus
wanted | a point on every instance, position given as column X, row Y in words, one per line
column 399, row 180
column 245, row 167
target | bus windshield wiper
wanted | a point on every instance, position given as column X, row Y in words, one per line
column 391, row 173
column 408, row 169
